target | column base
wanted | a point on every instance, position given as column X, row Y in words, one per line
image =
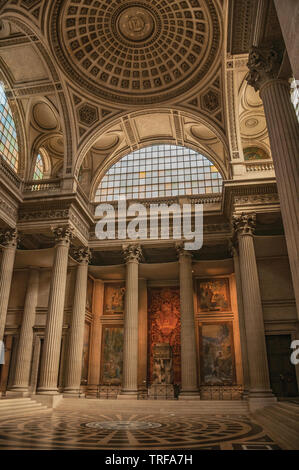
column 133, row 395
column 258, row 399
column 51, row 401
column 18, row 392
column 71, row 393
column 189, row 395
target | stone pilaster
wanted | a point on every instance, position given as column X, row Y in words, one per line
column 52, row 344
column 24, row 354
column 260, row 393
column 241, row 318
column 283, row 129
column 8, row 240
column 133, row 255
column 189, row 387
column 76, row 335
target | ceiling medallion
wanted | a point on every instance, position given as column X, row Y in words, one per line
column 135, row 52
column 136, row 23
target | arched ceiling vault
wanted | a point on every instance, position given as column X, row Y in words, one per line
column 144, row 128
column 107, row 60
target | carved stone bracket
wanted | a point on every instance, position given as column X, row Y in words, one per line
column 132, row 253
column 264, row 65
column 244, row 224
column 9, row 237
column 63, row 234
column 82, row 255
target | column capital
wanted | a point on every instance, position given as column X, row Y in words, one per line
column 62, row 234
column 244, row 224
column 9, row 237
column 181, row 252
column 132, row 253
column 82, row 255
column 264, row 65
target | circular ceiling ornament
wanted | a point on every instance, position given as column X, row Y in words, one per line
column 140, row 52
column 136, row 23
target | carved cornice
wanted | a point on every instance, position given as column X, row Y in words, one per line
column 9, row 238
column 132, row 253
column 264, row 65
column 244, row 224
column 82, row 255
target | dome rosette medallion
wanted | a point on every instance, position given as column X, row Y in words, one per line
column 135, row 52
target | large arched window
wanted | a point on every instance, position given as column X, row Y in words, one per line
column 160, row 171
column 39, row 168
column 8, row 134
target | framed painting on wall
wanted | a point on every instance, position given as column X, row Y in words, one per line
column 213, row 295
column 114, row 298
column 85, row 359
column 217, row 357
column 112, row 355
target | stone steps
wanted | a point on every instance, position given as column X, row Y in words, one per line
column 185, row 407
column 282, row 420
column 18, row 407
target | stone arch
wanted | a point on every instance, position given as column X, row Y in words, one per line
column 153, row 126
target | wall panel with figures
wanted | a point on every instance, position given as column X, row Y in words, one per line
column 164, row 326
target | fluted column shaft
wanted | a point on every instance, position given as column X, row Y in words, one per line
column 253, row 312
column 24, row 354
column 95, row 339
column 9, row 242
column 283, row 131
column 241, row 317
column 130, row 351
column 283, row 128
column 52, row 343
column 189, row 386
column 76, row 336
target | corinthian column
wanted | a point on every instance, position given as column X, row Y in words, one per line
column 76, row 336
column 132, row 254
column 189, row 388
column 8, row 240
column 24, row 354
column 260, row 393
column 52, row 344
column 242, row 327
column 283, row 129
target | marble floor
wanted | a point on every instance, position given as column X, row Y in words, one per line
column 103, row 424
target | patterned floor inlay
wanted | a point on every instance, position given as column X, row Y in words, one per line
column 117, row 430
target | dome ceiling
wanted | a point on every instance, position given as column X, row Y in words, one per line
column 135, row 52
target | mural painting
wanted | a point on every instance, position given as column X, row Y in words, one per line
column 114, row 300
column 255, row 153
column 112, row 355
column 165, row 326
column 213, row 295
column 217, row 354
column 85, row 359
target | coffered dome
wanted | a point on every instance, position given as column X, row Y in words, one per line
column 135, row 52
